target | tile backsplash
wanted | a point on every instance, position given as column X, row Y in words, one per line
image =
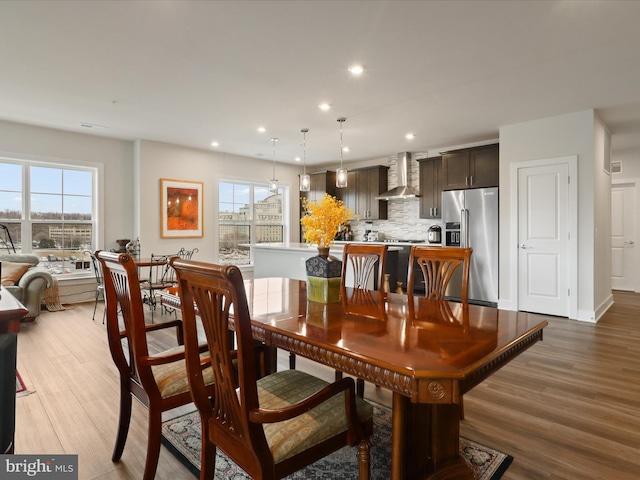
column 404, row 220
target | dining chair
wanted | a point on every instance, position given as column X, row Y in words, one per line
column 157, row 380
column 160, row 278
column 365, row 265
column 169, row 279
column 270, row 426
column 97, row 270
column 438, row 265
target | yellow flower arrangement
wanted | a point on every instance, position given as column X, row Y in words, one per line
column 322, row 220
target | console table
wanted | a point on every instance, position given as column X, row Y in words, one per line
column 11, row 312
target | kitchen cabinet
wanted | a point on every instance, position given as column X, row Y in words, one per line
column 320, row 183
column 348, row 194
column 430, row 187
column 363, row 186
column 476, row 167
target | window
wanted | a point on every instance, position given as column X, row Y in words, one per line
column 48, row 210
column 248, row 213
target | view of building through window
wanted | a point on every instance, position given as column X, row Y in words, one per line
column 247, row 213
column 48, row 211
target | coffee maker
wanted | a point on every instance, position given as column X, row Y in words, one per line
column 435, row 234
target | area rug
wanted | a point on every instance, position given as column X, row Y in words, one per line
column 21, row 389
column 181, row 436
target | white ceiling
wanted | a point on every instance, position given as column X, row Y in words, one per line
column 190, row 72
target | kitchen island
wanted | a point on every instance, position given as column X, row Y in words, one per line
column 288, row 259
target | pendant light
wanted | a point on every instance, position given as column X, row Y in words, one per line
column 341, row 173
column 273, row 183
column 305, row 179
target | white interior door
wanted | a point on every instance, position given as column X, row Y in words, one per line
column 543, row 239
column 623, row 235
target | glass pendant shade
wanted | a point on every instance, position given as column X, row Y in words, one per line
column 305, row 179
column 341, row 173
column 341, row 177
column 305, row 182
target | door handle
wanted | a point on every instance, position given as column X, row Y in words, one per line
column 524, row 245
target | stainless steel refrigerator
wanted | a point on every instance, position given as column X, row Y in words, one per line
column 470, row 219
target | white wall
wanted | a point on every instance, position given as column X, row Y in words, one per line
column 603, row 296
column 564, row 135
column 157, row 160
column 116, row 156
column 132, row 173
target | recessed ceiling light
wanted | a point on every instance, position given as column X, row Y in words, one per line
column 324, row 106
column 409, row 136
column 298, row 159
column 346, row 149
column 215, row 144
column 356, row 69
column 262, row 129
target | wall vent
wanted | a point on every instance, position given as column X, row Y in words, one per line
column 616, row 167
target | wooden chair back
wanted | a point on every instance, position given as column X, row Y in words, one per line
column 122, row 287
column 232, row 417
column 362, row 260
column 138, row 369
column 216, row 290
column 438, row 265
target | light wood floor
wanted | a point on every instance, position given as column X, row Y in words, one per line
column 568, row 408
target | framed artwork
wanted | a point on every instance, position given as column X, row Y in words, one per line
column 181, row 208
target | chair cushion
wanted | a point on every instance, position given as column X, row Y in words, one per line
column 291, row 437
column 12, row 272
column 172, row 377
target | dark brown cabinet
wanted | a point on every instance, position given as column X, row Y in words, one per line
column 321, row 183
column 363, row 186
column 430, row 187
column 348, row 194
column 476, row 167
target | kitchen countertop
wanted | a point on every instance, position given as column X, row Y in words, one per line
column 288, row 259
column 305, row 247
column 423, row 243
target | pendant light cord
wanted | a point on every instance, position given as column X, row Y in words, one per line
column 273, row 143
column 304, row 150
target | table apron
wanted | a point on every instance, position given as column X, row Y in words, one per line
column 419, row 390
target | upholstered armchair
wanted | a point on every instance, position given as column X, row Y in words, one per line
column 22, row 276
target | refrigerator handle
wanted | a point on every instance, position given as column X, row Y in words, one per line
column 464, row 216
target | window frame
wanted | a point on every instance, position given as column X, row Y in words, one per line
column 26, row 222
column 283, row 190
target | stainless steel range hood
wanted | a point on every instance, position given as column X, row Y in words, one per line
column 404, row 188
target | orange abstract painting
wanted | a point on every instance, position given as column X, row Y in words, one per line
column 182, row 208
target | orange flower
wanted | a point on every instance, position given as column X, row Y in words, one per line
column 322, row 219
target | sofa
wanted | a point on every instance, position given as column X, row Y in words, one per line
column 27, row 281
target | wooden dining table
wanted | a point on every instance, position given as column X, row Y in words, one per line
column 428, row 353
